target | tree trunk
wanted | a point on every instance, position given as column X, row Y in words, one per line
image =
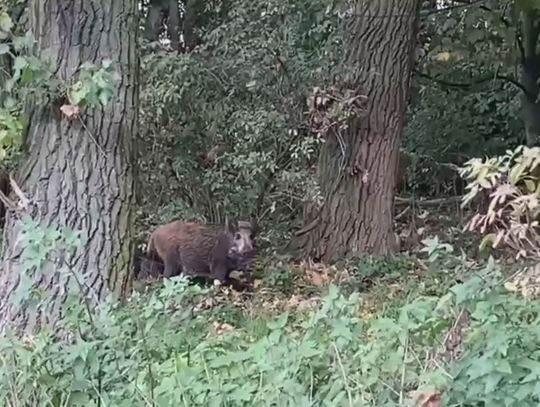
column 78, row 174
column 193, row 18
column 530, row 75
column 357, row 213
column 157, row 9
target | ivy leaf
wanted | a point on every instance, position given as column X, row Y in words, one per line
column 4, row 49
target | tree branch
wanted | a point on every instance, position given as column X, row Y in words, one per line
column 477, row 81
column 458, row 6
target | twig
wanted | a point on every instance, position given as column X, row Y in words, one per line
column 308, row 228
column 477, row 81
column 343, row 374
column 100, row 148
column 8, row 203
column 403, row 370
column 25, row 202
column 428, row 202
column 457, row 6
column 402, row 213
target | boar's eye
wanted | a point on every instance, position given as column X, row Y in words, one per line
column 237, row 236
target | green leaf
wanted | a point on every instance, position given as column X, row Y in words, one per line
column 492, row 381
column 4, row 49
column 103, row 98
column 10, row 103
column 279, row 323
column 25, row 42
column 79, row 94
column 27, row 75
column 20, row 63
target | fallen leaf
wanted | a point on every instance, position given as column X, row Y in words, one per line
column 443, row 56
column 222, row 328
column 427, row 399
column 319, row 279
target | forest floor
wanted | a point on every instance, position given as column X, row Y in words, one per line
column 371, row 332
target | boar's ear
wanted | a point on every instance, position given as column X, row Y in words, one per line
column 253, row 226
column 249, row 225
column 231, row 225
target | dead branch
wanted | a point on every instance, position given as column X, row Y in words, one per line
column 428, row 202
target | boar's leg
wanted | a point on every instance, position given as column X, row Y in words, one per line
column 172, row 265
column 219, row 271
column 219, row 266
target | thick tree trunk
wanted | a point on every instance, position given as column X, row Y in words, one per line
column 357, row 214
column 194, row 8
column 530, row 75
column 79, row 173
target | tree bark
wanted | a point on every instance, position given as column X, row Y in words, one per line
column 192, row 17
column 530, row 74
column 78, row 174
column 357, row 212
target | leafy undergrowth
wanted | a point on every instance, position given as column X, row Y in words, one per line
column 372, row 333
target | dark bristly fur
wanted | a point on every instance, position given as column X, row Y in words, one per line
column 206, row 250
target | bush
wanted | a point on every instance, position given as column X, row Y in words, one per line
column 171, row 346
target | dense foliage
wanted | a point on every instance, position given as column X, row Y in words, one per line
column 229, row 115
column 184, row 345
column 467, row 98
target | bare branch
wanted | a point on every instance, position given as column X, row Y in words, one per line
column 428, row 202
column 477, row 81
column 458, row 6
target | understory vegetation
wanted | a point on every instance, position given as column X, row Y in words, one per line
column 378, row 333
column 230, row 130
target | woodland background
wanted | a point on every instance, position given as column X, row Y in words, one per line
column 258, row 109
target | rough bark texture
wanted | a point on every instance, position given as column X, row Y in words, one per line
column 79, row 176
column 530, row 75
column 194, row 9
column 357, row 215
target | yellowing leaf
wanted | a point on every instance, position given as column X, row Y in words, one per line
column 488, row 240
column 531, row 185
column 510, row 286
column 443, row 56
column 485, row 183
column 5, row 22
